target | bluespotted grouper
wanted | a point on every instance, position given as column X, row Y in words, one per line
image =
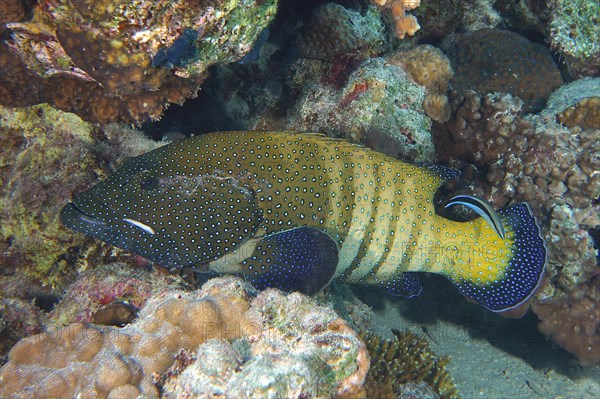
column 297, row 210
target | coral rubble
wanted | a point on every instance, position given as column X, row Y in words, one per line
column 275, row 330
column 119, row 60
column 407, row 359
column 496, row 60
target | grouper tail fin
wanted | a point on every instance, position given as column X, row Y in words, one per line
column 503, row 270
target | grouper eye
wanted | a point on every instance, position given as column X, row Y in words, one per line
column 148, row 183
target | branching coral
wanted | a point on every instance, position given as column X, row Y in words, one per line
column 407, row 358
column 405, row 24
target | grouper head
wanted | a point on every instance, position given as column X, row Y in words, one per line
column 169, row 210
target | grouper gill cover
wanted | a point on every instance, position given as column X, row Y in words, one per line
column 296, row 210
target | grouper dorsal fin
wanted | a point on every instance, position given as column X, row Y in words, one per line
column 302, row 259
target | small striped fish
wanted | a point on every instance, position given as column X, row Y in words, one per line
column 296, row 210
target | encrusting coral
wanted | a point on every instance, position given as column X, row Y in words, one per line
column 497, row 60
column 407, row 359
column 430, row 68
column 122, row 60
column 90, row 361
column 46, row 156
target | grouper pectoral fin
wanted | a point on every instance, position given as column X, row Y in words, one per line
column 302, row 259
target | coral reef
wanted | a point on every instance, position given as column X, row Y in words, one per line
column 333, row 30
column 405, row 360
column 573, row 320
column 496, row 60
column 303, row 350
column 96, row 292
column 18, row 319
column 277, row 329
column 577, row 104
column 405, row 24
column 378, row 105
column 575, row 33
column 430, row 68
column 534, row 159
column 46, row 156
column 123, row 61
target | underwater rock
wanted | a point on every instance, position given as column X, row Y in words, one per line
column 274, row 328
column 573, row 320
column 496, row 60
column 333, row 30
column 303, row 351
column 18, row 319
column 430, row 68
column 95, row 290
column 46, row 156
column 123, row 61
column 576, row 104
column 379, row 105
column 575, row 33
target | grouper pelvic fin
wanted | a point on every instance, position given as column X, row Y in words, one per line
column 302, row 259
column 406, row 285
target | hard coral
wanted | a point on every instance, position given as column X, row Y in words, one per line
column 333, row 30
column 91, row 361
column 573, row 321
column 429, row 67
column 302, row 350
column 534, row 159
column 405, row 24
column 577, row 104
column 496, row 60
column 575, row 34
column 47, row 155
column 121, row 60
column 407, row 359
column 277, row 330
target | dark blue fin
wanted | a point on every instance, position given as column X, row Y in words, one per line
column 523, row 272
column 406, row 285
column 302, row 259
column 444, row 172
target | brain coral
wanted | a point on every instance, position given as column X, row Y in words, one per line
column 333, row 30
column 496, row 60
column 89, row 361
column 123, row 60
